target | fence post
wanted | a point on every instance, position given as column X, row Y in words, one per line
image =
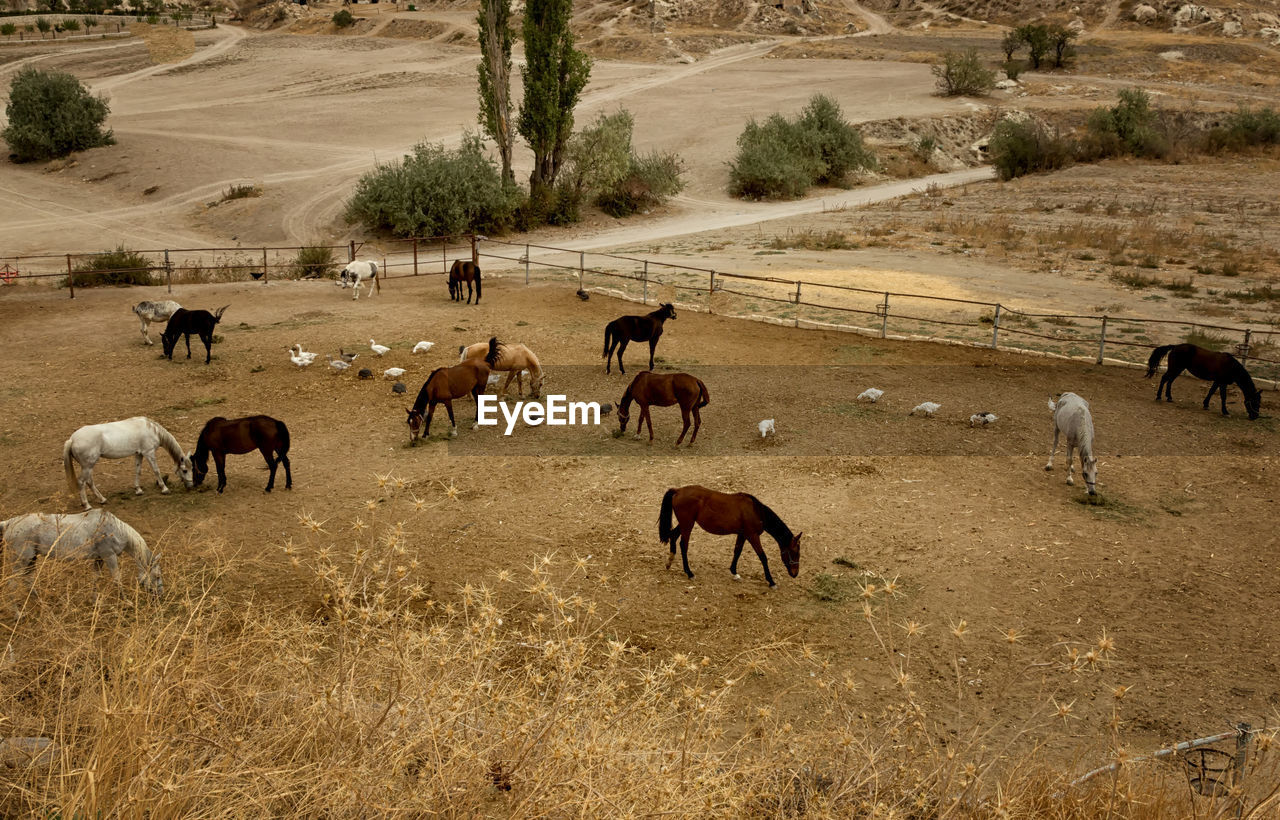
column 884, row 320
column 1102, row 340
column 384, row 274
column 797, row 321
column 444, row 256
column 351, row 251
column 264, row 266
column 168, row 272
column 646, row 282
column 1244, row 350
column 1243, row 734
column 711, row 289
column 582, row 269
column 71, row 283
column 415, row 256
column 526, row 263
column 995, row 328
column 475, row 254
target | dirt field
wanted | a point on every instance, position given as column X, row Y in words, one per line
column 1174, row 565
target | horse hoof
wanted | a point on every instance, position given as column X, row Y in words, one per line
column 137, row 491
column 1048, row 468
column 453, row 433
column 1071, row 482
column 475, row 426
column 773, row 586
column 737, row 577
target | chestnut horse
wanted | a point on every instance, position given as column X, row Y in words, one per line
column 649, row 388
column 446, row 384
column 262, row 433
column 726, row 514
column 1220, row 368
column 624, row 329
column 464, row 271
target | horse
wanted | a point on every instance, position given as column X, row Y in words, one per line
column 514, row 359
column 149, row 312
column 463, row 271
column 726, row 514
column 446, row 384
column 95, row 534
column 138, row 437
column 262, row 433
column 649, row 388
column 1071, row 418
column 356, row 272
column 1220, row 368
column 626, row 329
column 184, row 322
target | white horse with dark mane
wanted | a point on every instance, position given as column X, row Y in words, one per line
column 1071, row 418
column 138, row 437
column 356, row 272
column 96, row 534
column 149, row 312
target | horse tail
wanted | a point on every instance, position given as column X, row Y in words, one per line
column 665, row 527
column 282, row 432
column 704, row 397
column 377, row 280
column 1156, row 356
column 491, row 358
column 608, row 335
column 69, row 467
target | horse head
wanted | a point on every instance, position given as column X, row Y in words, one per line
column 199, row 469
column 415, row 423
column 1253, row 404
column 169, row 342
column 186, row 472
column 150, row 579
column 624, row 415
column 1090, row 474
column 791, row 555
column 668, row 310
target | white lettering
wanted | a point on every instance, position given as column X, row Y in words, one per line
column 484, row 410
column 533, row 413
column 583, row 407
column 511, row 416
column 555, row 411
column 558, row 412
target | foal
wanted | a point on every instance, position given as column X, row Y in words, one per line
column 624, row 329
column 648, row 389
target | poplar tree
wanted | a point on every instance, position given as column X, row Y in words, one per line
column 554, row 75
column 494, row 33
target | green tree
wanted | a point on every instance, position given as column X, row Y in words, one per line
column 70, row 25
column 963, row 75
column 51, row 114
column 90, row 23
column 43, row 25
column 554, row 75
column 493, row 30
column 343, row 18
column 8, row 30
column 1129, row 127
column 600, row 154
column 1036, row 38
column 1010, row 44
column 1060, row 38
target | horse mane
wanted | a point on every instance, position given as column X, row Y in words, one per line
column 1243, row 380
column 136, row 545
column 201, row 455
column 167, row 441
column 420, row 403
column 772, row 523
column 491, row 358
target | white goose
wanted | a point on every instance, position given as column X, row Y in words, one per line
column 423, row 347
column 377, row 348
column 393, row 372
column 338, row 364
column 300, row 357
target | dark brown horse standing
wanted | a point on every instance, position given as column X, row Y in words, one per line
column 1220, row 368
column 464, row 271
column 446, row 384
column 262, row 433
column 648, row 389
column 624, row 329
column 725, row 514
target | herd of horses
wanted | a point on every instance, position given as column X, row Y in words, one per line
column 102, row 537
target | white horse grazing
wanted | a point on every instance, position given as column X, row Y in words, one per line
column 356, row 272
column 1071, row 418
column 95, row 534
column 138, row 437
column 149, row 312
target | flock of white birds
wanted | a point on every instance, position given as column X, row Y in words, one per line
column 302, row 358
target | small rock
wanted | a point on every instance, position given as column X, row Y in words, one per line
column 1006, row 84
column 1232, row 29
column 1145, row 14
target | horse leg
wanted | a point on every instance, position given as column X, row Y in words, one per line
column 475, row 394
column 653, row 345
column 511, row 374
column 188, row 340
column 1054, row 449
column 113, row 566
column 1071, row 467
column 737, row 553
column 426, row 423
column 764, row 562
column 448, row 405
column 622, row 348
column 1223, row 393
column 86, row 477
column 647, row 416
column 137, row 473
column 685, row 532
column 271, row 465
column 220, row 461
column 207, row 338
column 684, row 414
column 697, row 422
column 155, row 468
column 468, row 291
column 288, row 473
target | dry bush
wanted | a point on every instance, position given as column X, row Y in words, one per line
column 512, row 697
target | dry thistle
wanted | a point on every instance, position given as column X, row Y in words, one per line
column 912, row 629
column 1106, row 643
column 959, row 629
column 1012, row 636
column 1063, row 710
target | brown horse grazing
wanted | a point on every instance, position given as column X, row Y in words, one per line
column 446, row 384
column 464, row 271
column 1220, row 368
column 648, row 389
column 726, row 514
column 262, row 433
column 624, row 329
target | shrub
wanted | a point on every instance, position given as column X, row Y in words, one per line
column 343, row 18
column 1012, row 69
column 649, row 181
column 1019, row 148
column 1009, row 44
column 8, row 30
column 1038, row 41
column 51, row 114
column 1244, row 129
column 595, row 159
column 118, row 267
column 245, row 191
column 43, row 25
column 963, row 75
column 781, row 158
column 435, row 191
column 1129, row 127
column 1060, row 38
column 70, row 25
column 315, row 262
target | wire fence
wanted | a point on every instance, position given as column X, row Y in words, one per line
column 803, row 303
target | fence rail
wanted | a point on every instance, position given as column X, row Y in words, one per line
column 887, row 314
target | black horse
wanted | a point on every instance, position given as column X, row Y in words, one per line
column 1220, row 368
column 464, row 271
column 184, row 322
column 262, row 433
column 626, row 329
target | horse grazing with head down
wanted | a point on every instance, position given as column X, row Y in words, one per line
column 96, row 534
column 262, row 433
column 446, row 384
column 624, row 329
column 138, row 437
column 1220, row 368
column 356, row 272
column 1071, row 418
column 148, row 312
column 725, row 514
column 464, row 271
column 648, row 389
column 184, row 322
column 512, row 359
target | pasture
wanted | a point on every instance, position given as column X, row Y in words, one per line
column 1177, row 564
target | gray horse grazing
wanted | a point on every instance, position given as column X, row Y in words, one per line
column 149, row 312
column 1071, row 418
column 138, row 437
column 96, row 534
